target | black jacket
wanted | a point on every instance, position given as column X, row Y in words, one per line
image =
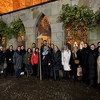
column 46, row 59
column 2, row 57
column 92, row 62
column 56, row 60
column 84, row 57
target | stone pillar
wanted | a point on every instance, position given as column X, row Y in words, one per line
column 94, row 36
column 30, row 37
column 57, row 35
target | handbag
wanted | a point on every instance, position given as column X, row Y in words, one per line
column 79, row 71
column 77, row 61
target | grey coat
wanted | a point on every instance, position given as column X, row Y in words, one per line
column 17, row 60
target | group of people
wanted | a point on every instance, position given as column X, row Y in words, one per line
column 52, row 60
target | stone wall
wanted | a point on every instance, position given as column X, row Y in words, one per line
column 31, row 17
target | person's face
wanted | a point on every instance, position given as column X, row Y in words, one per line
column 85, row 45
column 29, row 50
column 45, row 47
column 55, row 48
column 52, row 46
column 92, row 47
column 34, row 45
column 99, row 50
column 11, row 47
column 98, row 44
column 18, row 48
column 22, row 47
column 65, row 48
column 7, row 47
column 37, row 50
column 44, row 42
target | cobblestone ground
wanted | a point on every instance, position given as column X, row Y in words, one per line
column 33, row 89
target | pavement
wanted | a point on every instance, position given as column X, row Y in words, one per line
column 32, row 88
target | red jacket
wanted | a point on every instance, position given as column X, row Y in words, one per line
column 34, row 58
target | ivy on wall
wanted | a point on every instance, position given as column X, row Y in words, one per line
column 16, row 28
column 77, row 17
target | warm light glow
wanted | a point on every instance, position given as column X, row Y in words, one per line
column 12, row 5
column 44, row 29
column 83, row 34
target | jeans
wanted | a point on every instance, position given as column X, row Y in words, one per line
column 17, row 73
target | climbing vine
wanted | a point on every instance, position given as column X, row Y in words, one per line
column 16, row 28
column 77, row 17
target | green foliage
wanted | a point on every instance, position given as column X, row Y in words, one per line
column 76, row 17
column 15, row 29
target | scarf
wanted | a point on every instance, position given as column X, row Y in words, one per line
column 45, row 52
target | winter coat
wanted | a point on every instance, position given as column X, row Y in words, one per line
column 98, row 69
column 84, row 59
column 9, row 55
column 34, row 58
column 78, row 57
column 2, row 57
column 46, row 59
column 65, row 60
column 27, row 58
column 56, row 60
column 23, row 52
column 92, row 62
column 17, row 60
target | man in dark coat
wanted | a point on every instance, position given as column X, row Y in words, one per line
column 56, row 61
column 92, row 62
column 46, row 63
column 9, row 58
column 84, row 62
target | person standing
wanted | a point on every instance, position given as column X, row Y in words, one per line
column 84, row 62
column 2, row 58
column 23, row 52
column 56, row 61
column 35, row 61
column 51, row 67
column 46, row 62
column 92, row 63
column 98, row 65
column 76, row 57
column 33, row 47
column 9, row 58
column 66, row 54
column 27, row 62
column 17, row 60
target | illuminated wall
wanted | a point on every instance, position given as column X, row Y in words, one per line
column 11, row 5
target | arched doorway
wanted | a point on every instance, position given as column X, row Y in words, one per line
column 44, row 31
column 21, row 35
column 80, row 36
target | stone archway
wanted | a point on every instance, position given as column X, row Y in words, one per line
column 43, row 30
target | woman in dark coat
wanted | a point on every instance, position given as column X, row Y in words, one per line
column 76, row 57
column 56, row 61
column 92, row 62
column 23, row 52
column 17, row 60
column 46, row 62
column 9, row 57
column 84, row 62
